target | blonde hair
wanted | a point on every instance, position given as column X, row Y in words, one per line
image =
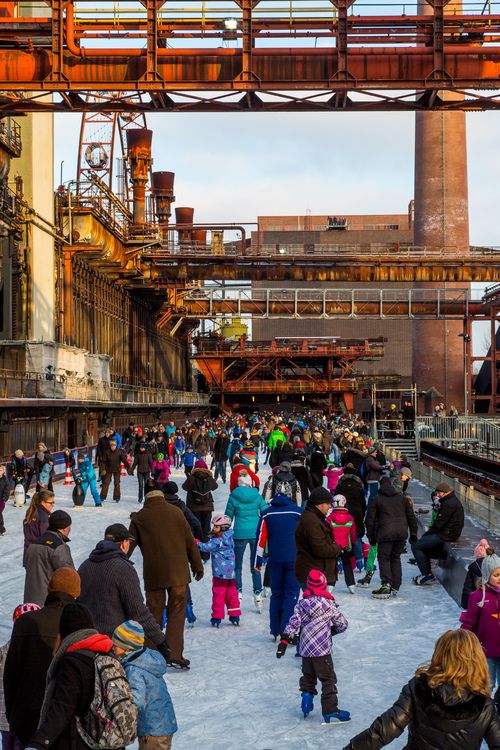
column 458, row 660
column 37, row 499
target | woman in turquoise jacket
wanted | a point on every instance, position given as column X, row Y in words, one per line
column 245, row 506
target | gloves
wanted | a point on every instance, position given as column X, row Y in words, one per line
column 199, row 575
column 164, row 650
column 281, row 648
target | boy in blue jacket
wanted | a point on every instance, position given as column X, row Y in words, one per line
column 84, row 474
column 224, row 591
column 188, row 459
column 144, row 669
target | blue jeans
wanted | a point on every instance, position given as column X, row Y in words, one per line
column 142, row 478
column 373, row 488
column 428, row 546
column 220, row 469
column 284, row 594
column 93, row 489
column 240, row 546
column 494, row 669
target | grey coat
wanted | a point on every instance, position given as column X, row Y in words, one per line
column 43, row 557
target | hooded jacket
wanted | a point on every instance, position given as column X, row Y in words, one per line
column 85, row 470
column 276, row 531
column 390, row 516
column 43, row 557
column 199, row 486
column 316, row 548
column 275, row 479
column 145, row 670
column 233, row 479
column 274, row 437
column 449, row 522
column 343, row 527
column 166, row 542
column 245, row 505
column 351, row 486
column 221, row 549
column 314, row 617
column 112, row 592
column 483, row 619
column 35, row 529
column 437, row 719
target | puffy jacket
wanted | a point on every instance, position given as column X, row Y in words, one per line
column 316, row 548
column 233, row 479
column 483, row 618
column 274, row 437
column 85, row 469
column 314, row 617
column 199, row 486
column 354, row 457
column 333, row 477
column 276, row 531
column 390, row 516
column 43, row 557
column 220, row 448
column 245, row 504
column 436, row 718
column 221, row 549
column 373, row 469
column 113, row 460
column 143, row 462
column 449, row 521
column 35, row 529
column 472, row 580
column 351, row 486
column 145, row 669
column 343, row 527
column 161, row 470
column 303, row 477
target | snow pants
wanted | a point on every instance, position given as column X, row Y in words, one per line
column 320, row 668
column 389, row 560
column 225, row 593
column 93, row 489
column 284, row 594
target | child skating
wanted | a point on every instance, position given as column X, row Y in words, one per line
column 344, row 534
column 317, row 618
column 224, row 591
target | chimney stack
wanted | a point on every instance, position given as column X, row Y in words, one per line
column 139, row 159
column 184, row 220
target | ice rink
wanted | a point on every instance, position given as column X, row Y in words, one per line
column 237, row 695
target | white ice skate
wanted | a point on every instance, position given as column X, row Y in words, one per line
column 351, row 589
column 257, row 598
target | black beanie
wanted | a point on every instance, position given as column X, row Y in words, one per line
column 58, row 520
column 320, row 495
column 170, row 488
column 74, row 617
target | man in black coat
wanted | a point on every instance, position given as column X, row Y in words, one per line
column 353, row 489
column 111, row 589
column 220, row 455
column 70, row 681
column 447, row 527
column 390, row 516
column 111, row 470
column 30, row 653
column 316, row 548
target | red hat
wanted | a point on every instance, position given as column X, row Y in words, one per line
column 316, row 582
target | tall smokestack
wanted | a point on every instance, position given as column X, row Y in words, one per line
column 441, row 223
column 163, row 192
column 184, row 219
column 139, row 159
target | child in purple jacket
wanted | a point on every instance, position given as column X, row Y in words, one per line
column 483, row 614
column 317, row 618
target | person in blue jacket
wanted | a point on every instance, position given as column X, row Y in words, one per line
column 116, row 436
column 188, row 460
column 276, row 541
column 145, row 670
column 179, row 449
column 84, row 474
column 245, row 504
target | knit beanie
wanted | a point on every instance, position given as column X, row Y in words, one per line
column 160, row 456
column 316, row 581
column 58, row 520
column 65, row 581
column 129, row 636
column 74, row 617
column 200, row 464
column 170, row 488
column 480, row 550
column 319, row 495
column 244, row 480
column 490, row 563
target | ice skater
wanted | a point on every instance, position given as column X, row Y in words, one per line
column 224, row 591
column 317, row 618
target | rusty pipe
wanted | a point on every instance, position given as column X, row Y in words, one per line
column 162, row 188
column 184, row 223
column 139, row 159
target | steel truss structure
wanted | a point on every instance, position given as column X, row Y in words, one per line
column 181, row 60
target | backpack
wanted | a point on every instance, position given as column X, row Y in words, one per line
column 111, row 721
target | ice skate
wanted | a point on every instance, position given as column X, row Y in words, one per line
column 215, row 622
column 383, row 591
column 307, row 704
column 424, row 580
column 365, row 582
column 190, row 615
column 234, row 619
column 336, row 717
column 257, row 599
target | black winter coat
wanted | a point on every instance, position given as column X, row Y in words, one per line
column 143, row 461
column 449, row 521
column 4, row 491
column 351, row 486
column 220, row 448
column 28, row 659
column 303, row 477
column 354, row 457
column 199, row 486
column 390, row 516
column 436, row 720
column 316, row 547
column 471, row 580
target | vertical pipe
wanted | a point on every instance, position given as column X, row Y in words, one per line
column 139, row 159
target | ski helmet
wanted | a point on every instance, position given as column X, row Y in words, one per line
column 339, row 501
column 22, row 609
column 221, row 520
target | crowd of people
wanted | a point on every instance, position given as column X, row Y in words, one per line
column 331, row 504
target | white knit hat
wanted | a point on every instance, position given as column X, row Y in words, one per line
column 489, row 564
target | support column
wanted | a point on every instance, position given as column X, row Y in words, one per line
column 441, row 221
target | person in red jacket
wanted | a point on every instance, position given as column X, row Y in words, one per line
column 240, row 466
column 344, row 534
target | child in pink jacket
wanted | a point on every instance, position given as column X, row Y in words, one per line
column 161, row 469
column 332, row 475
column 344, row 534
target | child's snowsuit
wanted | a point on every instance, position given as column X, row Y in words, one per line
column 224, row 590
column 344, row 534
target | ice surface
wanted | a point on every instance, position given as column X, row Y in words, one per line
column 237, row 695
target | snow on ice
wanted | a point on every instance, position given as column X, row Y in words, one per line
column 237, row 695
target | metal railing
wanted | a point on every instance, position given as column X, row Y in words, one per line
column 475, row 434
column 35, row 385
column 10, row 136
column 401, row 249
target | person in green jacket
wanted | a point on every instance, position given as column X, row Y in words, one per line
column 245, row 505
column 276, row 435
